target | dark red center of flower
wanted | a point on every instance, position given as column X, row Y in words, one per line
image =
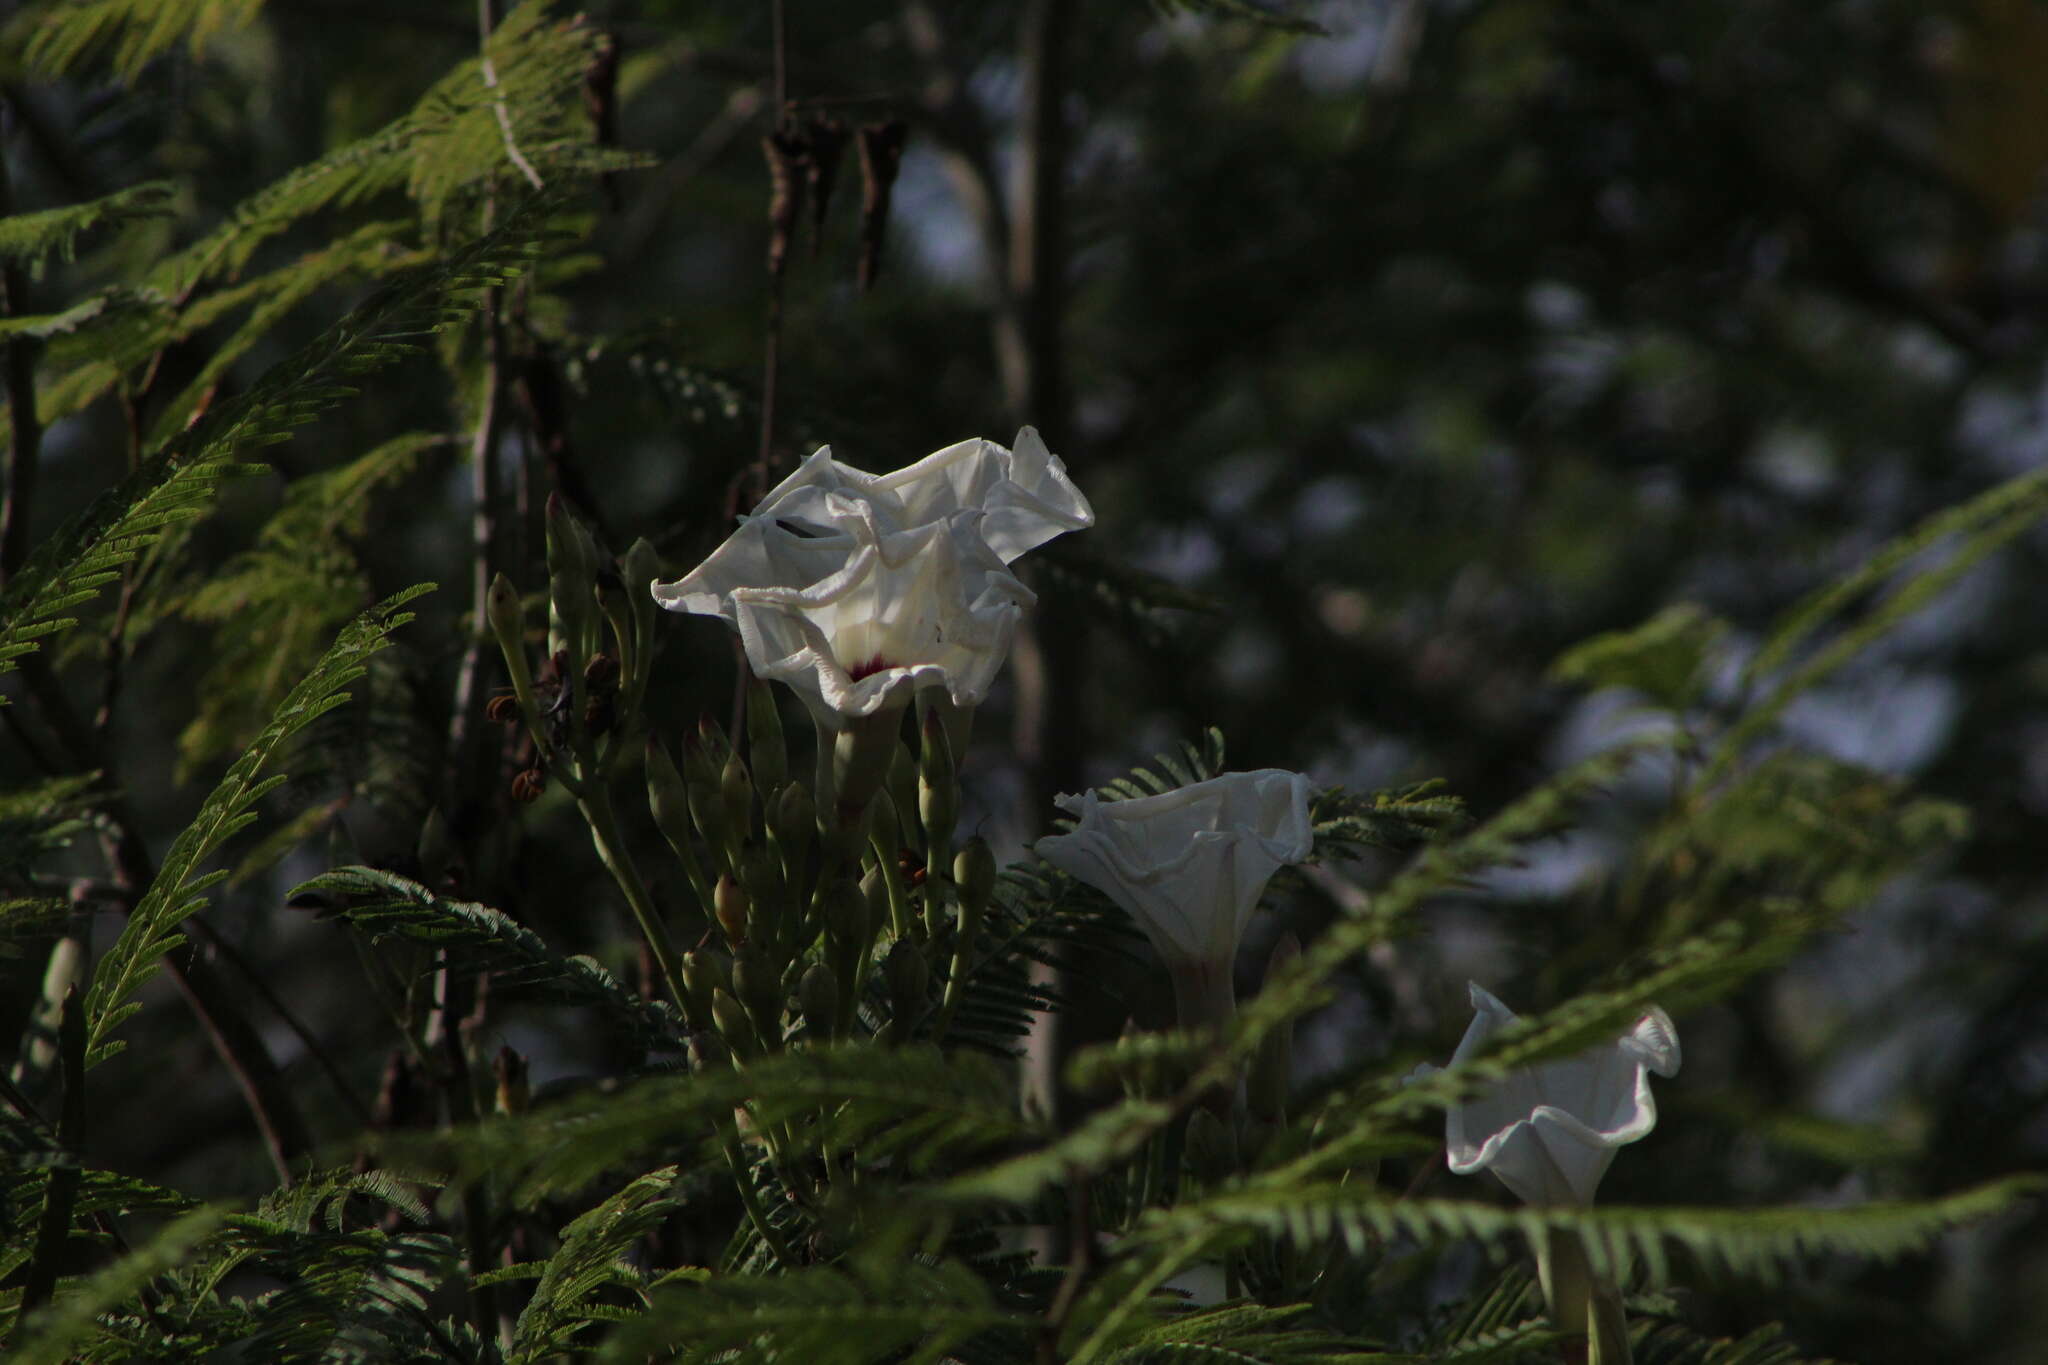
column 868, row 669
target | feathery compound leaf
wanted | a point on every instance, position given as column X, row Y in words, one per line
column 593, row 1259
column 1978, row 527
column 30, row 239
column 64, row 37
column 178, row 482
column 48, row 1337
column 1756, row 1242
column 151, row 930
column 901, row 1309
column 381, row 903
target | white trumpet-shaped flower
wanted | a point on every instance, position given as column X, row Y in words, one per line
column 1189, row 866
column 1550, row 1131
column 930, row 606
column 804, row 531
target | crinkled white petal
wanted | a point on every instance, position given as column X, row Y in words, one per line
column 802, row 531
column 926, row 607
column 1189, row 865
column 1550, row 1131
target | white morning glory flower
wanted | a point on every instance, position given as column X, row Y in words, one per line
column 804, row 530
column 1550, row 1131
column 1189, row 866
column 931, row 606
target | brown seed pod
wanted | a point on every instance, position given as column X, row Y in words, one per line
column 789, row 157
column 881, row 156
column 528, row 784
column 828, row 144
column 601, row 671
column 502, row 709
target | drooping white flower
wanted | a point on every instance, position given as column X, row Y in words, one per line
column 930, row 606
column 1550, row 1131
column 804, row 530
column 1189, row 866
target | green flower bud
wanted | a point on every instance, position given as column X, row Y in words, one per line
column 846, row 911
column 707, row 1052
column 818, row 997
column 736, row 792
column 704, row 972
column 730, row 1018
column 765, row 744
column 638, row 570
column 861, row 755
column 667, row 797
column 974, row 872
column 791, row 818
column 730, row 905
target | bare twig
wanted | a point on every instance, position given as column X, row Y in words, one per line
column 486, row 20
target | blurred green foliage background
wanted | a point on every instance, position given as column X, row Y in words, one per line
column 1398, row 359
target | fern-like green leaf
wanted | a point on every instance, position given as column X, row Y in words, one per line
column 380, row 903
column 30, row 239
column 151, row 929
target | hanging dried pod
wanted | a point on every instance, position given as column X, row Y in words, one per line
column 881, row 156
column 788, row 150
column 828, row 144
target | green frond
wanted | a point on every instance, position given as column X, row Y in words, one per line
column 1955, row 540
column 1347, row 822
column 382, row 903
column 178, row 482
column 910, row 1105
column 1247, row 1334
column 151, row 929
column 1170, row 770
column 868, row 1311
column 593, row 1259
column 37, row 820
column 30, row 239
column 1754, row 1242
column 59, row 39
column 1664, row 658
column 274, row 606
column 49, row 1336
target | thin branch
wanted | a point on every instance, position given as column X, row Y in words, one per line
column 486, row 20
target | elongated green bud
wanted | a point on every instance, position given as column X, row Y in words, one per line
column 765, row 744
column 818, row 997
column 667, row 797
column 707, row 1052
column 730, row 904
column 704, row 971
column 507, row 618
column 974, row 872
column 846, row 911
column 730, row 1018
column 791, row 818
column 861, row 754
column 736, row 793
column 938, row 790
column 903, row 782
